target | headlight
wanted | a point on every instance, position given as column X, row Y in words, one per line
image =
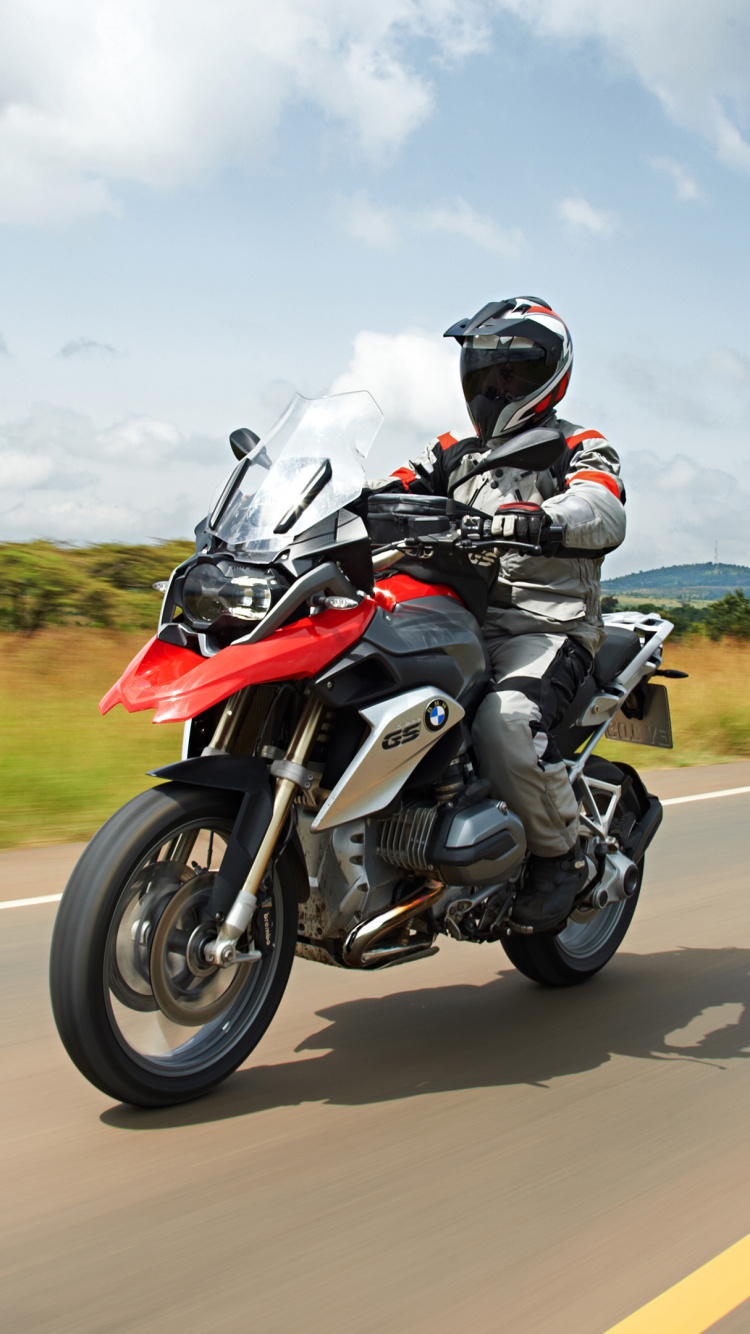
column 236, row 592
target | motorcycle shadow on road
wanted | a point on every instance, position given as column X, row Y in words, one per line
column 688, row 1004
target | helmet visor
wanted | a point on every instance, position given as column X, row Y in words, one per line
column 503, row 375
column 493, row 378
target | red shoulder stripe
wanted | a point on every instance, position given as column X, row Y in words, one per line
column 406, row 476
column 589, row 475
column 574, row 440
column 445, row 441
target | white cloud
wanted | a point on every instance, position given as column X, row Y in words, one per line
column 677, row 510
column 163, row 92
column 686, row 187
column 724, row 361
column 383, row 227
column 414, row 378
column 368, row 222
column 706, row 401
column 683, row 430
column 461, row 219
column 86, row 347
column 23, row 470
column 694, row 58
column 580, row 215
column 142, row 478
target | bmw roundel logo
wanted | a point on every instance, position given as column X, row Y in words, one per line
column 436, row 714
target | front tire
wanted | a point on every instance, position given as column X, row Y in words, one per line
column 589, row 940
column 123, row 941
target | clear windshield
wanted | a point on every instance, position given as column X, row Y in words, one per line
column 285, row 487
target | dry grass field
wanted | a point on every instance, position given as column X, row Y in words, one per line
column 710, row 711
column 64, row 768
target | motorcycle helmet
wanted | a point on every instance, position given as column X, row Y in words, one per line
column 516, row 357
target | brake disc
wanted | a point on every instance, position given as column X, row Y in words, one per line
column 186, row 989
column 151, row 891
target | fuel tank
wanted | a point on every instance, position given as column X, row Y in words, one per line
column 431, row 639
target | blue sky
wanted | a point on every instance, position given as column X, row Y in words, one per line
column 201, row 211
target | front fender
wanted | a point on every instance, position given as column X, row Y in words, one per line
column 236, row 773
column 249, row 776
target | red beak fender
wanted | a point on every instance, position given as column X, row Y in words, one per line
column 179, row 684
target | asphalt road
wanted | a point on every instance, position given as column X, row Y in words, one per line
column 440, row 1147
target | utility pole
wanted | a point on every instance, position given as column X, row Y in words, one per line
column 716, row 553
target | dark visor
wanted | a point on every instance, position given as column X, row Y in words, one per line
column 493, row 378
column 502, row 376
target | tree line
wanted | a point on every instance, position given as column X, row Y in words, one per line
column 728, row 616
column 111, row 585
column 49, row 583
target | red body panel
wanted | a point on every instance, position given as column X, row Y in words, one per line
column 180, row 684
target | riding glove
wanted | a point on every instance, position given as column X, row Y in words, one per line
column 524, row 522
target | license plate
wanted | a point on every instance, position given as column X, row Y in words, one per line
column 653, row 729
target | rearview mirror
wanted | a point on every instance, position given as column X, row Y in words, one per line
column 242, row 441
column 531, row 451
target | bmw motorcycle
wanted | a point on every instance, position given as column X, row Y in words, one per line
column 324, row 654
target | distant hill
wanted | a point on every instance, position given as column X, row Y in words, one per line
column 686, row 583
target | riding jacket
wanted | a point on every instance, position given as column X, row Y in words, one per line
column 582, row 492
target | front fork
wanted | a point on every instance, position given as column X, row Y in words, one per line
column 291, row 775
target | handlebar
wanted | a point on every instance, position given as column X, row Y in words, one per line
column 461, row 541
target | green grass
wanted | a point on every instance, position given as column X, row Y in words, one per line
column 63, row 767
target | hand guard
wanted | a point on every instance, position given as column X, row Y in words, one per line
column 524, row 522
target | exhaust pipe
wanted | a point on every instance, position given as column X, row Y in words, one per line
column 360, row 947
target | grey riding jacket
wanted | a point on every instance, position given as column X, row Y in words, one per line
column 582, row 492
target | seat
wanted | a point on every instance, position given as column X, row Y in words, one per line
column 619, row 649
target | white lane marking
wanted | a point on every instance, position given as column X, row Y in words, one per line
column 705, row 796
column 30, row 903
column 668, row 801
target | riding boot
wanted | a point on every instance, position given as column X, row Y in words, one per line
column 550, row 889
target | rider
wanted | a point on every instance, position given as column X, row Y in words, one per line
column 544, row 624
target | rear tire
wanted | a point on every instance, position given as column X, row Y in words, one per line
column 583, row 948
column 99, row 981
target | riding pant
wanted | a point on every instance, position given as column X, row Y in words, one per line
column 535, row 679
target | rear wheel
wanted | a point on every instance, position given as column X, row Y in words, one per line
column 141, row 1014
column 591, row 937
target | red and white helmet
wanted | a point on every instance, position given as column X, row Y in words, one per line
column 516, row 358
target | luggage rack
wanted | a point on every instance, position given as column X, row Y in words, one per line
column 652, row 629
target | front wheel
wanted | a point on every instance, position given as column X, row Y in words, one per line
column 591, row 937
column 138, row 1010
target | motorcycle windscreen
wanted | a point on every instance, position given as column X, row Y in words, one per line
column 309, row 466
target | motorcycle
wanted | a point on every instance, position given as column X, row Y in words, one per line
column 324, row 654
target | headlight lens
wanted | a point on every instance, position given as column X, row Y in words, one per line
column 236, row 592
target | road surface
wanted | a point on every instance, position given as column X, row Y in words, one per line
column 441, row 1147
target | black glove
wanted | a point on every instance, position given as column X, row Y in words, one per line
column 524, row 522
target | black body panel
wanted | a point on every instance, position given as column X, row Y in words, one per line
column 430, row 640
column 471, row 581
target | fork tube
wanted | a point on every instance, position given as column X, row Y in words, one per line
column 228, row 725
column 243, row 907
